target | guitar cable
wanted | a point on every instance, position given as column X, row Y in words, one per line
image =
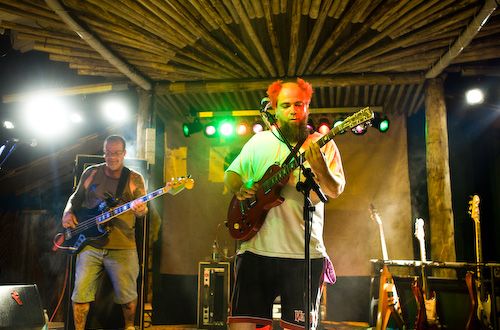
column 61, row 296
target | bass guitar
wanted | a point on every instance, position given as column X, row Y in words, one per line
column 480, row 314
column 245, row 218
column 426, row 299
column 388, row 299
column 93, row 223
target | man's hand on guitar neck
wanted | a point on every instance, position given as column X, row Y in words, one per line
column 69, row 220
column 246, row 192
column 241, row 190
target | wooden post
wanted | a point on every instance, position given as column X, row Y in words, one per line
column 442, row 231
column 143, row 116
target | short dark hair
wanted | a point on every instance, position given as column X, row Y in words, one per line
column 115, row 138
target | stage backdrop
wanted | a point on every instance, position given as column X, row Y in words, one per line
column 376, row 168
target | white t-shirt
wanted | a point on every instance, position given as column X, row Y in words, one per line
column 282, row 234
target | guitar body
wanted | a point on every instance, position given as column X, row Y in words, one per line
column 388, row 302
column 74, row 240
column 424, row 307
column 245, row 218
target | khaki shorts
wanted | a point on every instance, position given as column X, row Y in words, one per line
column 122, row 267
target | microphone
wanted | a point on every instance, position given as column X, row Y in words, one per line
column 31, row 142
column 265, row 103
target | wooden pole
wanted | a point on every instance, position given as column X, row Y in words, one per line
column 442, row 231
column 143, row 115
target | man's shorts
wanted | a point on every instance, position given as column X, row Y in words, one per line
column 259, row 280
column 122, row 267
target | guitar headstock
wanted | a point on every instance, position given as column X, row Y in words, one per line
column 374, row 214
column 175, row 185
column 474, row 208
column 355, row 119
column 419, row 229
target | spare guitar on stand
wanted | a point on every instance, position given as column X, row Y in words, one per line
column 426, row 299
column 388, row 299
column 480, row 315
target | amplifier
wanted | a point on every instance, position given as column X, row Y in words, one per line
column 21, row 307
column 213, row 295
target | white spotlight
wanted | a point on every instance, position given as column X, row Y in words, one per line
column 115, row 110
column 474, row 96
column 8, row 124
column 75, row 118
column 46, row 114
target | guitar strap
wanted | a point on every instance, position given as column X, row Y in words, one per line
column 294, row 151
column 122, row 182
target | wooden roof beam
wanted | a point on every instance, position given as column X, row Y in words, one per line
column 98, row 46
column 220, row 86
column 463, row 40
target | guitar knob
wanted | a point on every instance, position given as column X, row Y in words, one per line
column 236, row 226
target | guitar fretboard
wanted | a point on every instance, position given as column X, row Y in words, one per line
column 106, row 216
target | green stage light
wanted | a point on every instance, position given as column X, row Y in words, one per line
column 191, row 128
column 384, row 125
column 226, row 128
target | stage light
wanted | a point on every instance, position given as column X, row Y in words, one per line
column 384, row 125
column 8, row 124
column 359, row 129
column 242, row 128
column 337, row 123
column 46, row 114
column 310, row 126
column 324, row 126
column 474, row 96
column 226, row 128
column 381, row 123
column 115, row 110
column 75, row 118
column 191, row 128
column 210, row 130
column 257, row 127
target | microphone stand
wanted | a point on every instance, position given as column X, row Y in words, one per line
column 308, row 209
column 11, row 150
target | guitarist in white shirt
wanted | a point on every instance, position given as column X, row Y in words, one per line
column 271, row 263
column 116, row 253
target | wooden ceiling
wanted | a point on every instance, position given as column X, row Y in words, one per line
column 220, row 54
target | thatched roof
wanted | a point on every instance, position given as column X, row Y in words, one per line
column 215, row 54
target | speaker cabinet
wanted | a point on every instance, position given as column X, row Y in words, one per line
column 213, row 295
column 21, row 307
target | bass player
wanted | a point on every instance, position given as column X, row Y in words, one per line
column 271, row 263
column 116, row 253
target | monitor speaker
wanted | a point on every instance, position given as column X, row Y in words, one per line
column 213, row 295
column 21, row 307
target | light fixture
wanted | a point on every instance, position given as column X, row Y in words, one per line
column 8, row 124
column 382, row 123
column 191, row 128
column 323, row 126
column 474, row 96
column 310, row 125
column 210, row 130
column 242, row 128
column 359, row 129
column 257, row 127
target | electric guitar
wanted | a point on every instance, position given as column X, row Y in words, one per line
column 479, row 317
column 388, row 299
column 245, row 218
column 93, row 223
column 426, row 299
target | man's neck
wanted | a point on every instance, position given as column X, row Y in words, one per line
column 113, row 174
